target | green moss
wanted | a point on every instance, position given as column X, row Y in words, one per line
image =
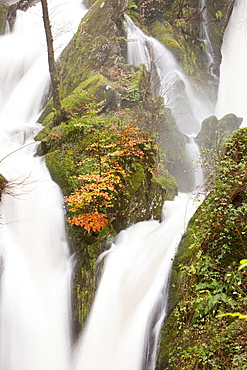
column 164, row 33
column 96, row 90
column 214, row 132
column 135, row 201
column 3, row 18
column 46, row 130
column 91, row 96
column 99, row 37
column 205, row 277
column 168, row 182
column 62, row 169
column 136, row 178
column 87, row 249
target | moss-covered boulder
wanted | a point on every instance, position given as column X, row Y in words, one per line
column 97, row 89
column 215, row 132
column 163, row 32
column 96, row 94
column 144, row 197
column 62, row 169
column 99, row 41
column 212, row 140
column 113, row 167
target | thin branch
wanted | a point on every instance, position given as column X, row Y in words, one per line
column 16, row 150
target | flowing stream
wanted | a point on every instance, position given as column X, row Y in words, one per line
column 132, row 293
column 123, row 327
column 35, row 262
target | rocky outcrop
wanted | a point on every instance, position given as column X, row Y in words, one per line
column 213, row 137
column 98, row 44
column 22, row 5
column 214, row 132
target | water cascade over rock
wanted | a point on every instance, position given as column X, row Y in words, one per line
column 35, row 262
column 204, row 35
column 233, row 73
column 130, row 303
column 167, row 79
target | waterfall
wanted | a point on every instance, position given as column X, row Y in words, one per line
column 168, row 80
column 136, row 272
column 233, row 73
column 193, row 155
column 130, row 303
column 34, row 257
column 126, row 317
column 204, row 35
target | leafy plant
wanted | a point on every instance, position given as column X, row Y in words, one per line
column 209, row 281
column 107, row 159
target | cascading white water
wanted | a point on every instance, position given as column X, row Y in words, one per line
column 193, row 154
column 135, row 271
column 204, row 35
column 35, row 263
column 168, row 80
column 124, row 324
column 233, row 72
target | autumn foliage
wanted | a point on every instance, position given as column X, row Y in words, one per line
column 107, row 161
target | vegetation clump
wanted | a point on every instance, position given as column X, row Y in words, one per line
column 207, row 277
column 107, row 165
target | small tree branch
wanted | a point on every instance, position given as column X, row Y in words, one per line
column 51, row 59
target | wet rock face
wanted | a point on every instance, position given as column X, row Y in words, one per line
column 102, row 50
column 216, row 131
column 219, row 13
column 213, row 138
column 22, row 5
